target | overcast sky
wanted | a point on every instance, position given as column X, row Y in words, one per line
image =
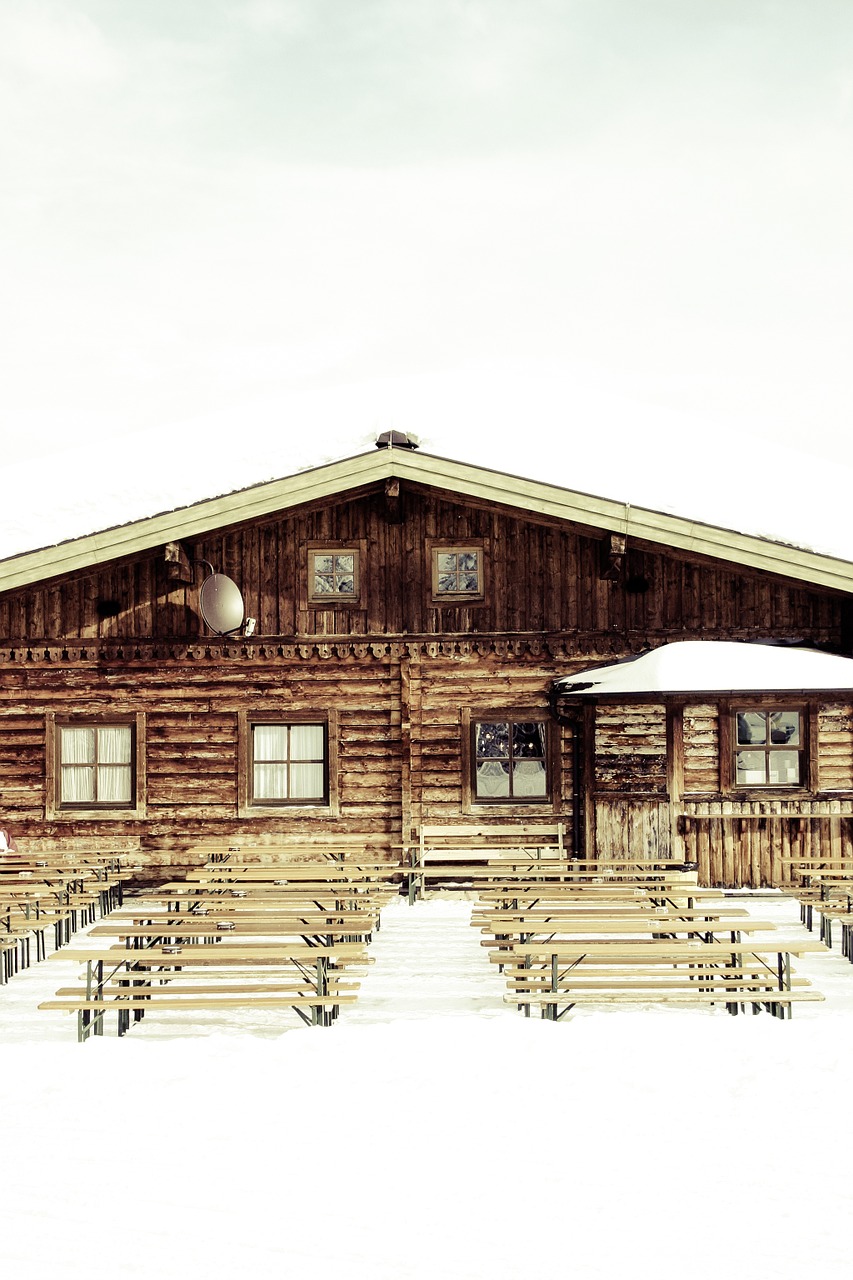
column 606, row 240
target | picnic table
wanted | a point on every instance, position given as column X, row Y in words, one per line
column 130, row 980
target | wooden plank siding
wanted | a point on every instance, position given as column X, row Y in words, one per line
column 541, row 579
column 404, row 677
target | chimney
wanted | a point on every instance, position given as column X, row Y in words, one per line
column 396, row 440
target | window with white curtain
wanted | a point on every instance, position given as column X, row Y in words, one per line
column 510, row 761
column 96, row 765
column 289, row 764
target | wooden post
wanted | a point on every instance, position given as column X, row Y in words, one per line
column 675, row 776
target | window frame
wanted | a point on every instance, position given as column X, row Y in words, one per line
column 357, row 548
column 460, row 546
column 474, row 803
column 247, row 804
column 729, row 745
column 59, row 810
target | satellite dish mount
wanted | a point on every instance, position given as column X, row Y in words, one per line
column 220, row 602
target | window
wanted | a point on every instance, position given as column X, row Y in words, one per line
column 288, row 764
column 769, row 747
column 95, row 767
column 509, row 761
column 458, row 572
column 334, row 575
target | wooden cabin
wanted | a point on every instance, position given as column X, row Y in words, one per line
column 403, row 620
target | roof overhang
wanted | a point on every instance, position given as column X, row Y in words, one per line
column 479, row 483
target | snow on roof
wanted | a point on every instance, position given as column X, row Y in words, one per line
column 714, row 666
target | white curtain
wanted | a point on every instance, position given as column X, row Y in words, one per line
column 271, row 782
column 77, row 755
column 306, row 782
column 270, row 741
column 84, row 782
column 306, row 777
column 289, row 761
column 528, row 778
column 492, row 778
column 77, row 746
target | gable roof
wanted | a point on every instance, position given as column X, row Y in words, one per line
column 464, row 479
column 713, row 666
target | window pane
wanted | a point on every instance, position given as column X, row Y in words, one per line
column 345, row 565
column 270, row 741
column 447, row 562
column 528, row 778
column 750, row 767
column 324, row 584
column 114, row 784
column 493, row 739
column 324, row 564
column 751, row 726
column 114, row 744
column 528, row 739
column 306, row 782
column 306, row 742
column 270, row 781
column 492, row 778
column 468, row 561
column 77, row 746
column 784, row 767
column 785, row 727
column 78, row 785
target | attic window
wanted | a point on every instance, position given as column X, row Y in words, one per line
column 458, row 572
column 334, row 575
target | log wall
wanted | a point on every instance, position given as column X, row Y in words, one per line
column 404, row 676
column 191, row 748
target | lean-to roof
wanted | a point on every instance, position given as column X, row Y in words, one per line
column 713, row 666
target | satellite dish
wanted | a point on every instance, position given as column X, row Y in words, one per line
column 221, row 604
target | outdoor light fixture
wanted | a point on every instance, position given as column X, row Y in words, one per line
column 220, row 602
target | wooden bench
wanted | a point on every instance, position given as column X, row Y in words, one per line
column 464, row 843
column 38, row 892
column 227, row 921
column 730, row 971
column 311, row 1008
column 778, row 1003
column 345, row 847
column 315, row 967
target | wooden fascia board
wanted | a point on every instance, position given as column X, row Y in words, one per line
column 188, row 522
column 636, row 522
column 493, row 487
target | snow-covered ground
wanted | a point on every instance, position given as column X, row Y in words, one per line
column 432, row 1132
